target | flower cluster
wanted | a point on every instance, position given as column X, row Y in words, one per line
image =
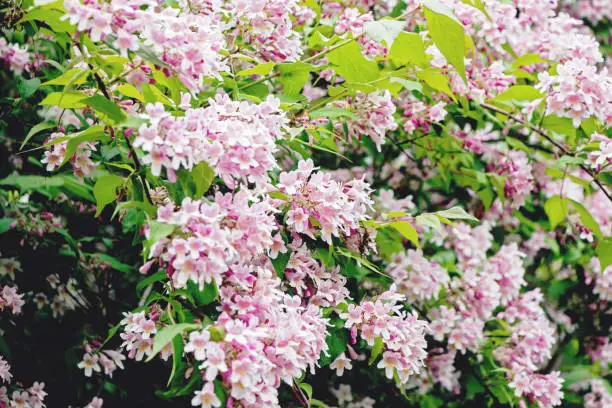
column 236, row 138
column 440, row 370
column 402, row 334
column 188, row 43
column 32, row 397
column 592, row 10
column 601, row 280
column 515, row 167
column 212, row 237
column 269, row 338
column 107, row 360
column 471, row 244
column 17, row 58
column 416, row 277
column 602, row 157
column 599, row 396
column 267, row 27
column 374, row 116
column 11, row 299
column 420, row 116
column 578, row 92
column 352, row 21
column 81, row 160
column 137, row 342
column 320, row 204
column 311, row 279
column 529, row 345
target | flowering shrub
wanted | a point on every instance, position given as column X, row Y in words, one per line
column 306, row 203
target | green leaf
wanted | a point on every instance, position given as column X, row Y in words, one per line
column 51, row 17
column 604, row 252
column 519, row 93
column 106, row 109
column 105, row 191
column 150, row 209
column 75, row 76
column 408, row 85
column 130, row 91
column 332, row 113
column 349, row 62
column 447, row 33
column 517, row 144
column 34, row 130
column 115, row 263
column 261, row 69
column 28, row 182
column 27, row 87
column 384, row 30
column 526, row 60
column 376, row 350
column 203, row 296
column 159, row 230
column 407, row 230
column 388, row 242
column 5, row 224
column 293, row 76
column 431, row 221
column 408, row 48
column 586, row 218
column 196, row 182
column 280, row 263
column 559, row 125
column 556, row 210
column 166, row 334
column 152, row 94
column 156, row 277
column 436, row 80
column 68, row 100
column 177, row 353
column 456, row 213
column 91, row 134
column 202, row 176
column 307, row 389
column 336, row 342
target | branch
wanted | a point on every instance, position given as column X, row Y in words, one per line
column 545, row 135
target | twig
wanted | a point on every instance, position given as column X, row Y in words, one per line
column 545, row 135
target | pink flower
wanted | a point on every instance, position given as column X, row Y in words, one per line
column 340, row 364
column 206, row 397
column 89, row 364
column 5, row 373
column 197, row 344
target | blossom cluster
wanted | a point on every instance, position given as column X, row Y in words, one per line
column 33, row 396
column 268, row 27
column 16, row 57
column 213, row 237
column 269, row 338
column 81, row 160
column 402, row 334
column 374, row 113
column 578, row 92
column 420, row 116
column 416, row 277
column 236, row 138
column 318, row 203
column 353, row 21
column 188, row 43
column 107, row 360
